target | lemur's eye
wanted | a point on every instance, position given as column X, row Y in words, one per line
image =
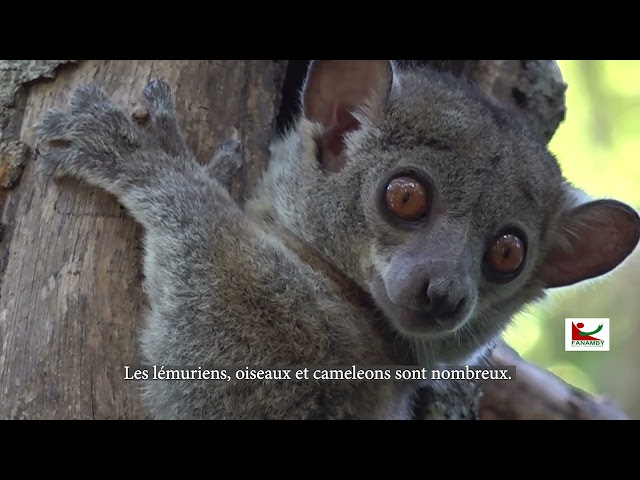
column 407, row 198
column 506, row 255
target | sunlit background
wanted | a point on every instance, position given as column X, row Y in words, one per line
column 598, row 146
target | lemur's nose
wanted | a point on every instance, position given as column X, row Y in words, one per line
column 443, row 302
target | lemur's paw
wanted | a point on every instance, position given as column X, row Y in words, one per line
column 163, row 119
column 87, row 140
column 226, row 161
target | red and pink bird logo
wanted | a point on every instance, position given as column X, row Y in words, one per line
column 578, row 334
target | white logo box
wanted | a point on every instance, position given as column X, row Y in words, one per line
column 589, row 325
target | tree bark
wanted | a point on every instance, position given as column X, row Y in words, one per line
column 70, row 274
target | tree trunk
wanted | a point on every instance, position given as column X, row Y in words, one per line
column 70, row 266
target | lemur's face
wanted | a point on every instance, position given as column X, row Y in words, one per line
column 459, row 205
column 449, row 269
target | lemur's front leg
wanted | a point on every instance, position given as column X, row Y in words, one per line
column 184, row 208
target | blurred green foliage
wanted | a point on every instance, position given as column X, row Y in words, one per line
column 597, row 147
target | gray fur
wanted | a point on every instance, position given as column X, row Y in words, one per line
column 303, row 275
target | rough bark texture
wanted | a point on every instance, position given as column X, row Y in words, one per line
column 70, row 290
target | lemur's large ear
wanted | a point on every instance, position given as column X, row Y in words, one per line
column 333, row 90
column 593, row 239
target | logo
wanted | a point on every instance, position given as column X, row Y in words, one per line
column 586, row 334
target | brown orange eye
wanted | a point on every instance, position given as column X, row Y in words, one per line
column 407, row 198
column 506, row 254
